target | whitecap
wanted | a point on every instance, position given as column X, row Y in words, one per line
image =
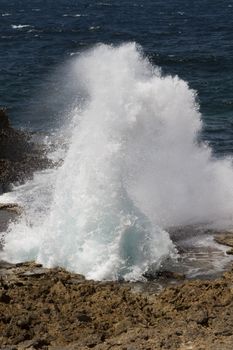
column 94, row 27
column 20, row 26
column 71, row 15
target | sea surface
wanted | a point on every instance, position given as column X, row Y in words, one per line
column 135, row 100
column 192, row 39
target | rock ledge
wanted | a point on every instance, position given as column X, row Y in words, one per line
column 53, row 309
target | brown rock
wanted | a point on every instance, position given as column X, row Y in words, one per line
column 44, row 309
column 82, row 317
column 11, row 207
column 225, row 238
column 4, row 298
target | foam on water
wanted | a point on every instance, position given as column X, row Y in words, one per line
column 134, row 166
column 20, row 26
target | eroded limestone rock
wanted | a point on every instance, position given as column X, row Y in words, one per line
column 53, row 309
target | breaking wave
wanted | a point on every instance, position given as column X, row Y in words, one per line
column 134, row 167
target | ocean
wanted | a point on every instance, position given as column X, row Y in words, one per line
column 139, row 95
column 190, row 39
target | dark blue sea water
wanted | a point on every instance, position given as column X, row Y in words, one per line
column 123, row 183
column 193, row 39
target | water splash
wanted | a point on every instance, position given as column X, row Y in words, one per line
column 134, row 167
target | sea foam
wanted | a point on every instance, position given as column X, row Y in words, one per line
column 134, row 166
column 20, row 26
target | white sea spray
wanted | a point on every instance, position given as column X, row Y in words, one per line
column 134, row 167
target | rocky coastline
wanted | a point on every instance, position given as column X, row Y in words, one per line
column 53, row 309
column 57, row 310
column 20, row 157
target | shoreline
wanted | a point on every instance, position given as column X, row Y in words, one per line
column 53, row 309
column 20, row 157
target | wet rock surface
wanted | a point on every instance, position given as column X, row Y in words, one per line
column 19, row 156
column 225, row 238
column 54, row 309
column 11, row 207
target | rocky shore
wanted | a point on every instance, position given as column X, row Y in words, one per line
column 53, row 309
column 20, row 157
